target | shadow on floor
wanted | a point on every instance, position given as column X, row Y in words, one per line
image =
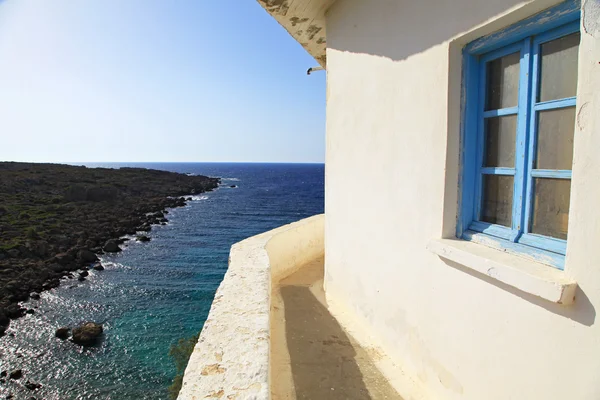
column 325, row 362
column 322, row 357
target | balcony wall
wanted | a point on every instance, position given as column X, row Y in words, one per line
column 232, row 356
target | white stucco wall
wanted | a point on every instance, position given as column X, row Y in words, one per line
column 393, row 117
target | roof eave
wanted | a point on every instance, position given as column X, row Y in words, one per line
column 305, row 21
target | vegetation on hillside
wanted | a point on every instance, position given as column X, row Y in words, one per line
column 55, row 218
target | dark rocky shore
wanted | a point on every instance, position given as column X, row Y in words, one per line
column 55, row 218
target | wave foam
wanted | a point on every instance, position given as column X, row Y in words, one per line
column 112, row 265
column 199, row 197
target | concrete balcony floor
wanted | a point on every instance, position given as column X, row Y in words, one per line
column 312, row 357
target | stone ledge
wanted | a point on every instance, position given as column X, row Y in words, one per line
column 231, row 358
column 528, row 276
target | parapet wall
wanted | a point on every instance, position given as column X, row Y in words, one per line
column 231, row 358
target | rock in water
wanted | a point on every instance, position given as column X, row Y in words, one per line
column 62, row 333
column 32, row 385
column 16, row 374
column 98, row 267
column 111, row 246
column 87, row 334
column 143, row 238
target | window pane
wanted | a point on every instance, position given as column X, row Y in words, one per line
column 555, row 139
column 496, row 207
column 551, row 207
column 559, row 68
column 500, row 141
column 503, row 82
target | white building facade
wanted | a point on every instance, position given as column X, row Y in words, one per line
column 396, row 119
column 462, row 227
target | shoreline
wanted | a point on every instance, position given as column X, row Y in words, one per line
column 93, row 208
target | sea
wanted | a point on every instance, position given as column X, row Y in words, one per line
column 153, row 294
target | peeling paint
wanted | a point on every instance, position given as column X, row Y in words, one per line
column 590, row 17
column 538, row 19
column 312, row 31
column 296, row 20
column 305, row 23
column 280, row 7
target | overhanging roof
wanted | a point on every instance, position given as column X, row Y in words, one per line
column 304, row 20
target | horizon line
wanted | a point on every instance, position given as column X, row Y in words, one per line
column 163, row 162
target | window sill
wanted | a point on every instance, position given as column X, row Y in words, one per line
column 528, row 276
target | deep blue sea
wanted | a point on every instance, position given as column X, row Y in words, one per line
column 153, row 294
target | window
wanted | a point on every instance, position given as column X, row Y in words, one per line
column 518, row 130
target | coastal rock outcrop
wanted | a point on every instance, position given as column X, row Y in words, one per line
column 32, row 385
column 62, row 333
column 98, row 267
column 87, row 334
column 55, row 219
column 16, row 374
column 14, row 311
column 4, row 322
column 111, row 246
column 87, row 256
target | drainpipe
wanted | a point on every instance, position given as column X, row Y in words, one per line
column 313, row 69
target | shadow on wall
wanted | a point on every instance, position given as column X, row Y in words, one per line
column 399, row 29
column 581, row 311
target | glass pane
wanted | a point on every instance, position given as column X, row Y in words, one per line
column 496, row 207
column 500, row 141
column 551, row 207
column 559, row 68
column 503, row 82
column 555, row 139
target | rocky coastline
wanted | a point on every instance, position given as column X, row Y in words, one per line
column 55, row 219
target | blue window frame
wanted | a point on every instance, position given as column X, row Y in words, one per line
column 518, row 122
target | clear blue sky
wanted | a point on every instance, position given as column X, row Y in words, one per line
column 155, row 80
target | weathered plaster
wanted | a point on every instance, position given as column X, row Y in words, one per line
column 590, row 15
column 304, row 20
column 231, row 358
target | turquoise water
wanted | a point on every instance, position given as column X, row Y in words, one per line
column 152, row 294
